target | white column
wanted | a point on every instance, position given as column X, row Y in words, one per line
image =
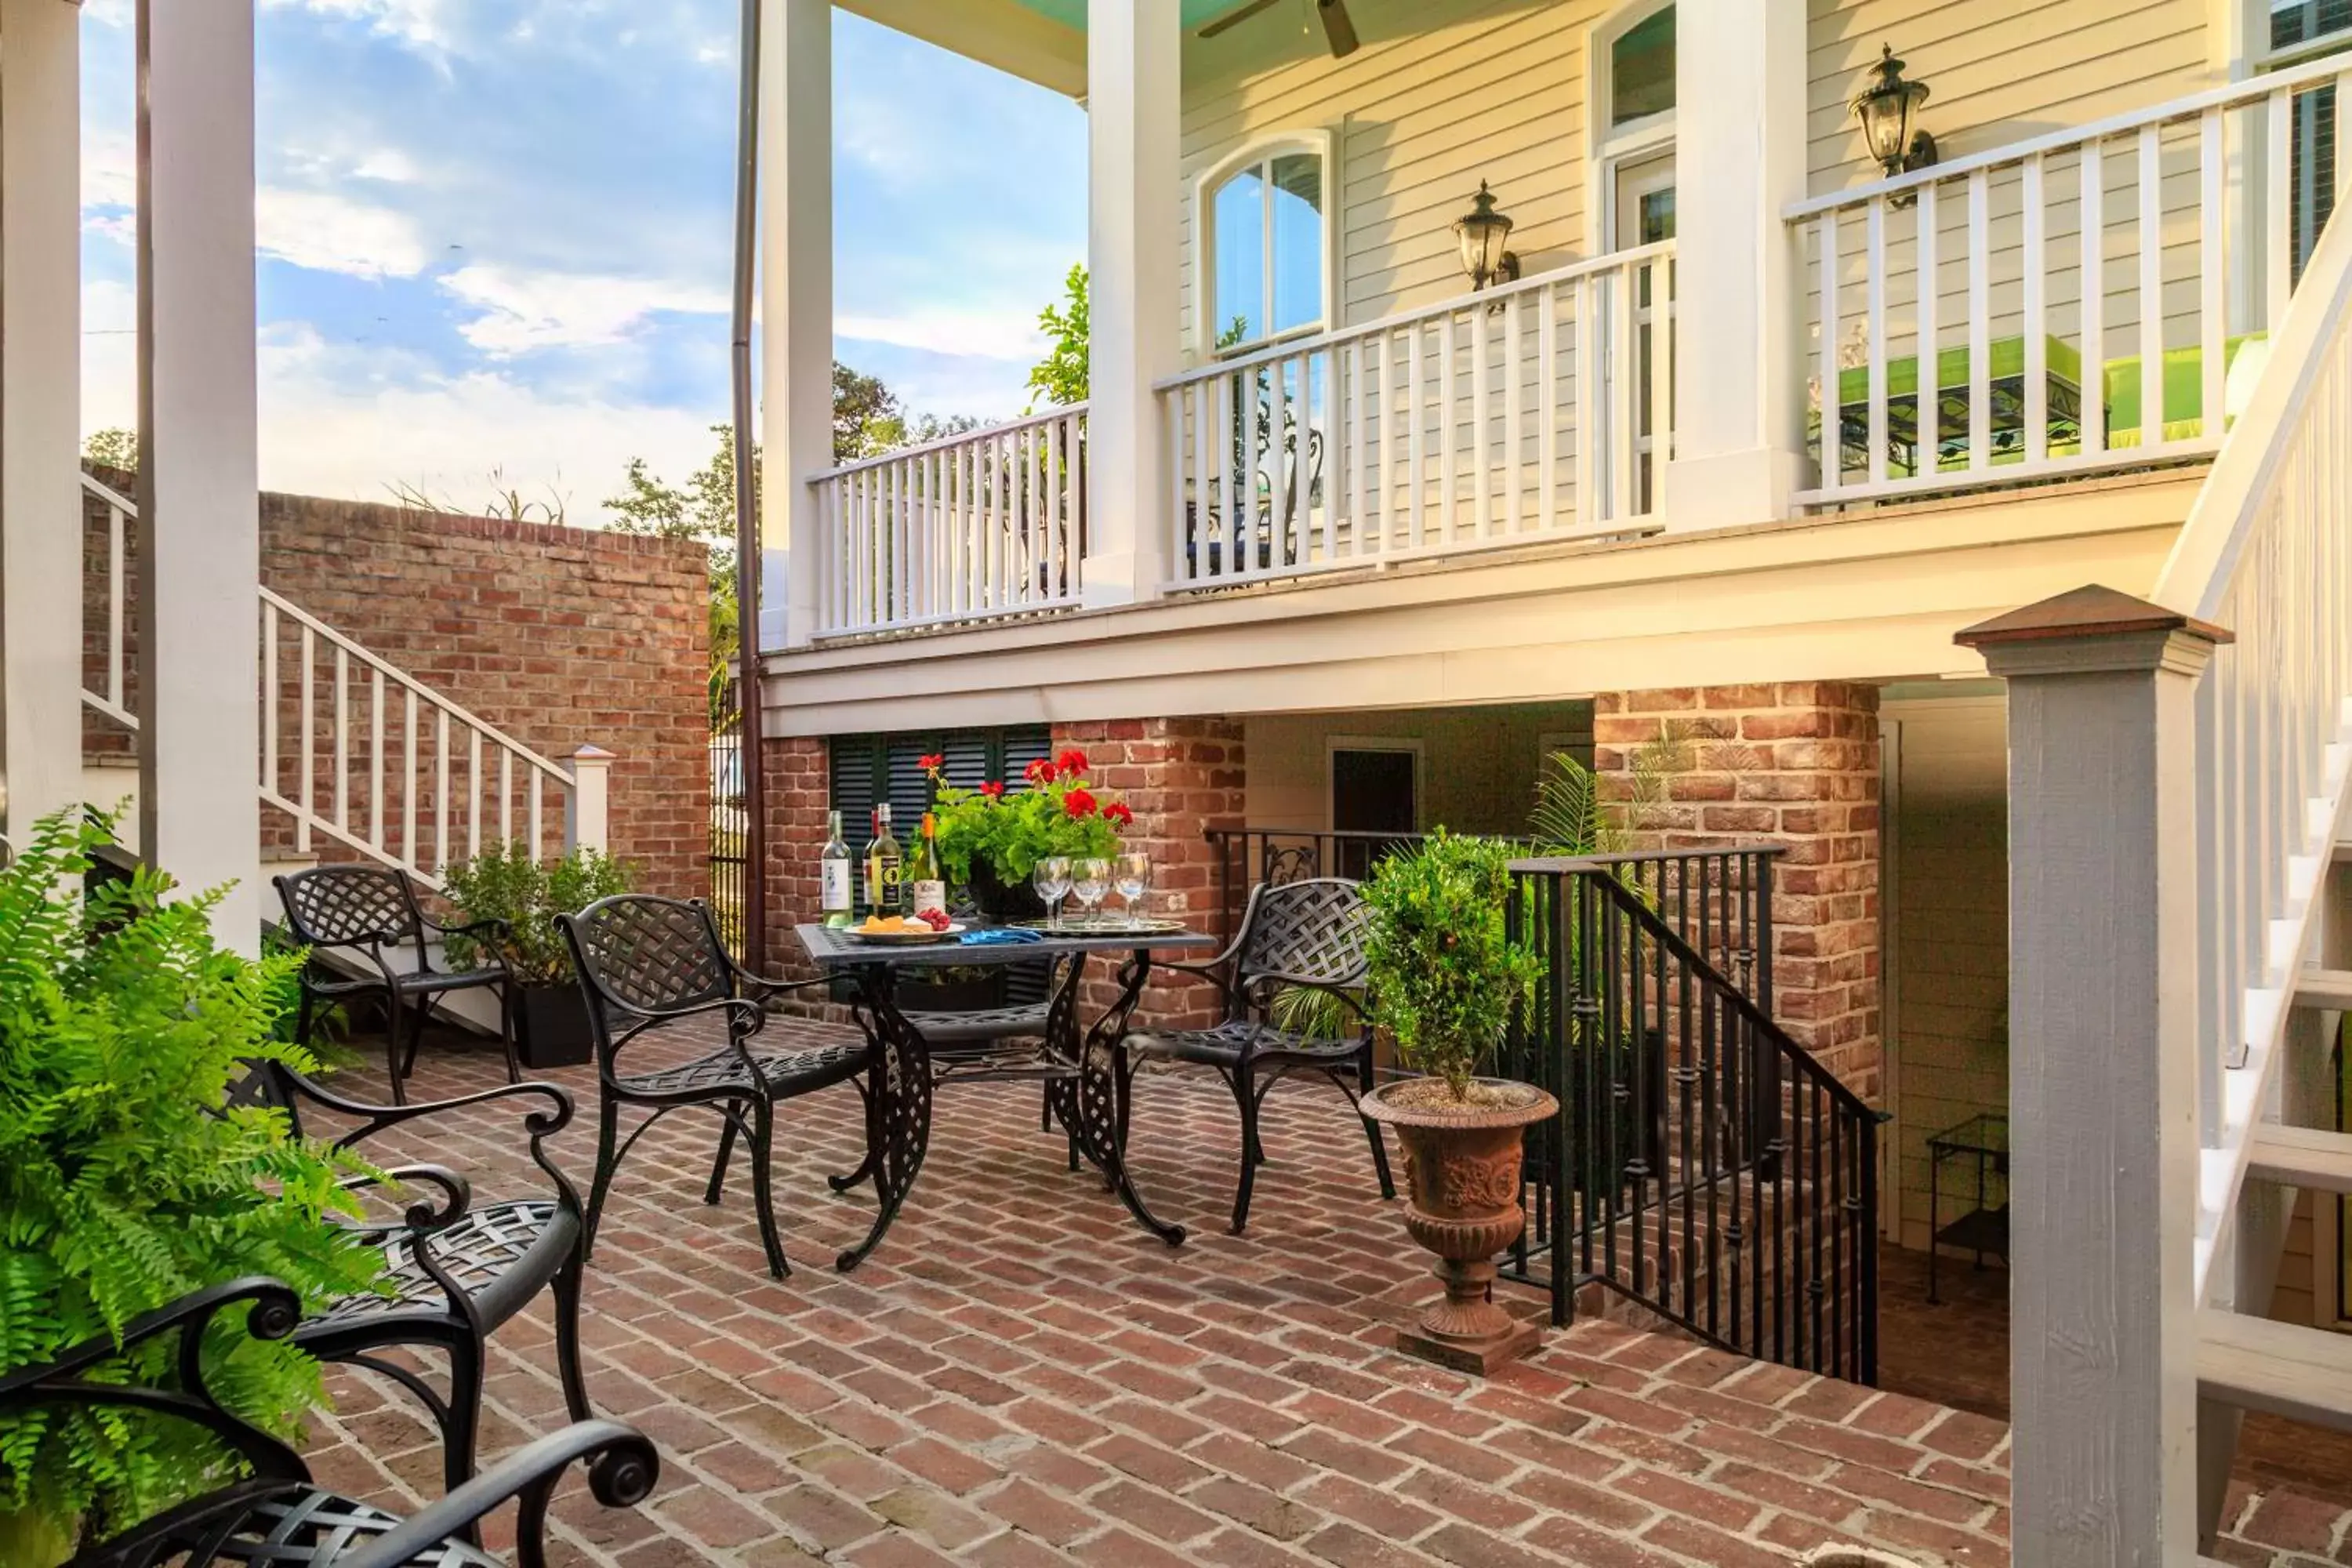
column 41, row 410
column 1739, row 159
column 199, row 527
column 796, row 306
column 2102, row 1083
column 588, row 825
column 1133, row 48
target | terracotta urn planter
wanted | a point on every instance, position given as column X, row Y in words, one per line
column 1462, row 1169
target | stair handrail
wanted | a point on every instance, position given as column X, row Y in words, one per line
column 1774, row 1142
column 2262, row 555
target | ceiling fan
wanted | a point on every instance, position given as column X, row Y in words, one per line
column 1338, row 30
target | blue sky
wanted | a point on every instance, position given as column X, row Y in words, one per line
column 496, row 235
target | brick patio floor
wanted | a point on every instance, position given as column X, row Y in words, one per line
column 1019, row 1375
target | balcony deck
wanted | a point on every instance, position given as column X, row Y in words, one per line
column 1019, row 1376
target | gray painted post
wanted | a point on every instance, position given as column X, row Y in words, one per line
column 2102, row 1079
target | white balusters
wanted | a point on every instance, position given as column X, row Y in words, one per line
column 975, row 526
column 2043, row 392
column 1411, row 435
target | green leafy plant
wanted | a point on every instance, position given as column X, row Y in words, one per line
column 508, row 882
column 1057, row 813
column 128, row 1181
column 1443, row 969
column 1570, row 817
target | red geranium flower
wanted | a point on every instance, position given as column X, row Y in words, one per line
column 1078, row 803
column 931, row 763
column 993, row 789
column 1039, row 771
column 1071, row 762
column 1116, row 812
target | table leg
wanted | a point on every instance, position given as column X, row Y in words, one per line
column 1935, row 1218
column 1099, row 1090
column 900, row 1119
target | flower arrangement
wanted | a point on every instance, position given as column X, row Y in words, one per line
column 1011, row 831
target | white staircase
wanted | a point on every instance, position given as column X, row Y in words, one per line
column 357, row 754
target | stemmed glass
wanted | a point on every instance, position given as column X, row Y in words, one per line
column 1051, row 878
column 1133, row 874
column 1090, row 880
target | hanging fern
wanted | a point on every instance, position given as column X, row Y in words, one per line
column 126, row 1181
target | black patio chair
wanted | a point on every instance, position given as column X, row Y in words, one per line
column 647, row 963
column 459, row 1271
column 1306, row 934
column 277, row 1515
column 374, row 911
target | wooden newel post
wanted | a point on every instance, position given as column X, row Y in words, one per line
column 588, row 824
column 2103, row 1079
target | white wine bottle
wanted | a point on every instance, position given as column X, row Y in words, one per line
column 885, row 887
column 837, row 904
column 926, row 889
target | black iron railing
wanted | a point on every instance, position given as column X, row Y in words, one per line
column 729, row 833
column 1704, row 1165
column 1248, row 855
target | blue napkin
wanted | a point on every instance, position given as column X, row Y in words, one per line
column 1001, row 936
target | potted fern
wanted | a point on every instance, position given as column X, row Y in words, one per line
column 509, row 883
column 128, row 1181
column 1444, row 975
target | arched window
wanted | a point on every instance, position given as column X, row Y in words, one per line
column 1264, row 215
column 1631, row 56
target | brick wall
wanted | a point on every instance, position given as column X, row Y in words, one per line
column 1797, row 763
column 1180, row 776
column 799, row 778
column 559, row 637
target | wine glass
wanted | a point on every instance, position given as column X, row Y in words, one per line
column 1090, row 880
column 1051, row 880
column 1133, row 873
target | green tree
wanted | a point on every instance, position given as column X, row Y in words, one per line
column 113, row 448
column 863, row 409
column 703, row 509
column 1060, row 378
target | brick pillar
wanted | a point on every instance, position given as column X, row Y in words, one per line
column 1796, row 763
column 799, row 783
column 1180, row 776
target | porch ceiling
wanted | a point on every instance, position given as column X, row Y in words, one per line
column 1073, row 13
column 1043, row 41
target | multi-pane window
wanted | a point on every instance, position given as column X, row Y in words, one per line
column 1641, row 68
column 1267, row 224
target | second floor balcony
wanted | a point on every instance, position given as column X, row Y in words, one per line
column 1720, row 312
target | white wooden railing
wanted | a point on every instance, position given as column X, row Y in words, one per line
column 1977, row 268
column 975, row 527
column 2267, row 553
column 358, row 752
column 1525, row 413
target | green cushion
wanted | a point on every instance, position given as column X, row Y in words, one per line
column 2004, row 357
column 2184, row 391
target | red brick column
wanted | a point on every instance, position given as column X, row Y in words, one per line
column 1795, row 763
column 798, row 776
column 1180, row 776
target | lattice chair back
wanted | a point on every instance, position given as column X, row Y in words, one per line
column 638, row 954
column 339, row 906
column 1313, row 929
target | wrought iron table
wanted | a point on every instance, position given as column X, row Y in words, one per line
column 1086, row 1078
column 1984, row 1138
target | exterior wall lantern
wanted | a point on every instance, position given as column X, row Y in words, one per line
column 1888, row 107
column 1482, row 233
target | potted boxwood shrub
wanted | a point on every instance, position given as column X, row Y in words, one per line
column 508, row 882
column 128, row 1181
column 1442, row 976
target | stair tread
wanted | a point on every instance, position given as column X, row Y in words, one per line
column 2327, row 988
column 2303, row 1375
column 2301, row 1157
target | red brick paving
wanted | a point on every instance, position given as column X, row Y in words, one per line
column 1019, row 1376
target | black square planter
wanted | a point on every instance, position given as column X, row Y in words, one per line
column 552, row 1026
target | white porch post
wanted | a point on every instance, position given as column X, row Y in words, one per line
column 796, row 307
column 199, row 524
column 1739, row 158
column 2101, row 1086
column 1133, row 47
column 41, row 409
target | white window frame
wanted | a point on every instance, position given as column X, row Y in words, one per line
column 1608, row 146
column 1411, row 744
column 2267, row 58
column 1206, row 313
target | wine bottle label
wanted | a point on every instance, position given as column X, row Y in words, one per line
column 836, row 890
column 924, row 897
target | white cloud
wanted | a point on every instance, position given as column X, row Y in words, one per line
column 1003, row 335
column 422, row 24
column 329, row 233
column 523, row 310
column 351, row 421
column 389, row 164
